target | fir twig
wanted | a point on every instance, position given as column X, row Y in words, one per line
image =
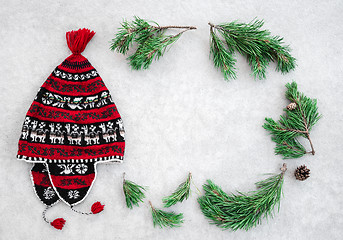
column 165, row 219
column 257, row 45
column 298, row 122
column 242, row 210
column 180, row 194
column 151, row 41
column 133, row 193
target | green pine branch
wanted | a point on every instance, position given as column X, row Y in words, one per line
column 222, row 57
column 165, row 219
column 180, row 194
column 298, row 122
column 133, row 193
column 152, row 49
column 257, row 45
column 242, row 210
column 151, row 40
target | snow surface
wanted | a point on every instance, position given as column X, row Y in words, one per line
column 179, row 116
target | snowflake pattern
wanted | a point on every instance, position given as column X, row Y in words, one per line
column 75, row 128
column 73, row 194
column 49, row 193
column 41, row 125
column 110, row 125
column 81, row 168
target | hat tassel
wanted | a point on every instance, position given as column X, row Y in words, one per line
column 58, row 223
column 96, row 208
column 78, row 40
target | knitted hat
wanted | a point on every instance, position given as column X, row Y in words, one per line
column 72, row 125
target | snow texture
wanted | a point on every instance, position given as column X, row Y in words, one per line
column 179, row 116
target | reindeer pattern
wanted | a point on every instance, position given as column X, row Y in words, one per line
column 121, row 128
column 91, row 135
column 73, row 134
column 56, row 134
column 38, row 133
column 25, row 129
column 34, row 130
column 108, row 132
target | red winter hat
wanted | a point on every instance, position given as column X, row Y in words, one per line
column 72, row 125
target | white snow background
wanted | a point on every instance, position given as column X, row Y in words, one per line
column 179, row 116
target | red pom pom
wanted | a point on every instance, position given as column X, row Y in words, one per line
column 97, row 207
column 77, row 40
column 58, row 223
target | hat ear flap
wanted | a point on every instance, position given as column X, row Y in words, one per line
column 72, row 181
column 42, row 185
column 45, row 192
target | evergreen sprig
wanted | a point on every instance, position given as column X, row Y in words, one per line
column 180, row 194
column 298, row 122
column 151, row 40
column 133, row 193
column 165, row 219
column 242, row 210
column 257, row 45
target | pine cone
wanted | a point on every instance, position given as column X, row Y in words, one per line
column 292, row 106
column 302, row 173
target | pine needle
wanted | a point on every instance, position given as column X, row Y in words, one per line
column 242, row 210
column 133, row 193
column 297, row 122
column 180, row 194
column 151, row 41
column 257, row 45
column 222, row 58
column 152, row 49
column 165, row 219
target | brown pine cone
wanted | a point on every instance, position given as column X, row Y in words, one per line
column 302, row 173
column 292, row 106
